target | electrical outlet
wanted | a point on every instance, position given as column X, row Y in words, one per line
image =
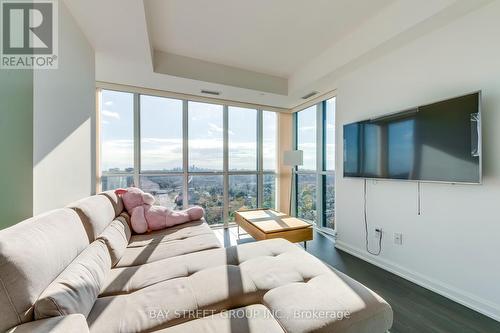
column 398, row 238
column 377, row 231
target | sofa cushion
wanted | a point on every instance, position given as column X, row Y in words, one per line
column 330, row 303
column 139, row 255
column 96, row 212
column 124, row 280
column 275, row 273
column 181, row 231
column 254, row 318
column 115, row 200
column 75, row 290
column 175, row 298
column 32, row 254
column 253, row 256
column 131, row 312
column 116, row 237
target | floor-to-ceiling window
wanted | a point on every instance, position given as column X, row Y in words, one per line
column 116, row 139
column 315, row 178
column 328, row 171
column 187, row 153
column 268, row 153
column 160, row 158
column 306, row 182
column 242, row 153
column 205, row 140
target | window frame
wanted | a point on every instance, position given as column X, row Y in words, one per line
column 137, row 172
column 321, row 172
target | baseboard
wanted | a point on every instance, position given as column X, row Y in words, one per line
column 475, row 303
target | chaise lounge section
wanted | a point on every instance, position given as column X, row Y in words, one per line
column 80, row 269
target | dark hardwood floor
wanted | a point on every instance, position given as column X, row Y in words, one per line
column 416, row 309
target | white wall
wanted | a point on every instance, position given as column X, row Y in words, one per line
column 454, row 246
column 64, row 122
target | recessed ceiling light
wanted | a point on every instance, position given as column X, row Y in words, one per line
column 210, row 92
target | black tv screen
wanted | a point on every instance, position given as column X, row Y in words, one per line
column 437, row 142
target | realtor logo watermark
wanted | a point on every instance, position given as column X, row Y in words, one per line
column 29, row 34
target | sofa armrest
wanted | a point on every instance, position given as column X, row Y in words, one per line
column 75, row 323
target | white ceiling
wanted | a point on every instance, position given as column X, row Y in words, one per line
column 267, row 52
column 273, row 37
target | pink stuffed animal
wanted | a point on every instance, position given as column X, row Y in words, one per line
column 144, row 216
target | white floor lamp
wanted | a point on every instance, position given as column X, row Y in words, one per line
column 293, row 158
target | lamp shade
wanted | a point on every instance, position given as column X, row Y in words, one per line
column 293, row 157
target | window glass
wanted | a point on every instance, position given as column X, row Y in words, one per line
column 242, row 133
column 207, row 191
column 242, row 193
column 328, row 182
column 330, row 135
column 269, row 191
column 329, row 201
column 306, row 196
column 269, row 129
column 306, row 137
column 205, row 137
column 117, row 132
column 161, row 134
column 114, row 182
column 167, row 190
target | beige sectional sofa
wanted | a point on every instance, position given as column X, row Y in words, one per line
column 80, row 269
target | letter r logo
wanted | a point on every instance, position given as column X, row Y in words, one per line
column 27, row 27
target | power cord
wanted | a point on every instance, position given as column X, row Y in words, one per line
column 366, row 226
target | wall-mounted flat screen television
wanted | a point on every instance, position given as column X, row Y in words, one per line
column 439, row 142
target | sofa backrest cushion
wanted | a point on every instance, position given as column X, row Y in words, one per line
column 76, row 289
column 96, row 212
column 116, row 237
column 32, row 254
column 116, row 201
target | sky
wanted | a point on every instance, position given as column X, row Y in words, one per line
column 306, row 136
column 161, row 134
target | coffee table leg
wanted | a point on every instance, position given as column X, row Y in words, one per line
column 305, row 245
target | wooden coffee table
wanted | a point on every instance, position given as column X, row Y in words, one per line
column 268, row 223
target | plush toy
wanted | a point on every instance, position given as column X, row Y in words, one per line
column 144, row 216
